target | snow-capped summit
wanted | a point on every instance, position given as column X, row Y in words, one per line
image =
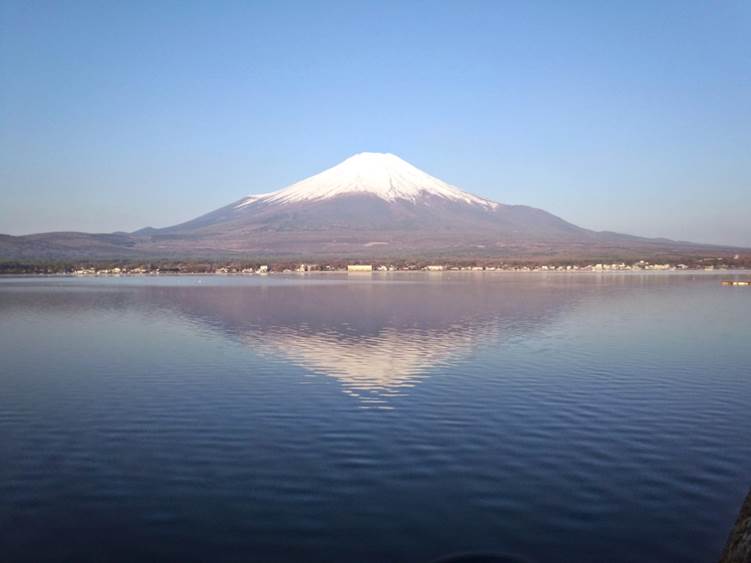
column 379, row 201
column 383, row 175
column 368, row 206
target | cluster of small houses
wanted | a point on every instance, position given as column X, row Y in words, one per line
column 542, row 268
column 265, row 269
column 641, row 265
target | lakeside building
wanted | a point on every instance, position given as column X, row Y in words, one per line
column 434, row 268
column 308, row 268
column 359, row 267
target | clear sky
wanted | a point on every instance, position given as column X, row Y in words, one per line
column 625, row 115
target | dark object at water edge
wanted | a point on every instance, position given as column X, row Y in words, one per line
column 738, row 548
column 480, row 558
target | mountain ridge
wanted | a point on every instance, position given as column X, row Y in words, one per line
column 369, row 205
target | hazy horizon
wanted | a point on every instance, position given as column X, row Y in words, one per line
column 631, row 118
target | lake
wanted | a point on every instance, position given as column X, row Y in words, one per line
column 398, row 417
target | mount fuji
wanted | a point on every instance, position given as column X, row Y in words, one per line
column 368, row 206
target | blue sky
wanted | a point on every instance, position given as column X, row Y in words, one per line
column 627, row 116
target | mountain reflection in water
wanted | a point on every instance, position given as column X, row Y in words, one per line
column 377, row 339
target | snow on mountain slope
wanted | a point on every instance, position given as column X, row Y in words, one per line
column 380, row 174
column 369, row 205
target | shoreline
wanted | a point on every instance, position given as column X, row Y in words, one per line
column 738, row 546
column 362, row 275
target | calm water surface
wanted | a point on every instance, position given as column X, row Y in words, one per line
column 561, row 417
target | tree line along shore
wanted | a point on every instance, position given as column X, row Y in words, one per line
column 88, row 268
